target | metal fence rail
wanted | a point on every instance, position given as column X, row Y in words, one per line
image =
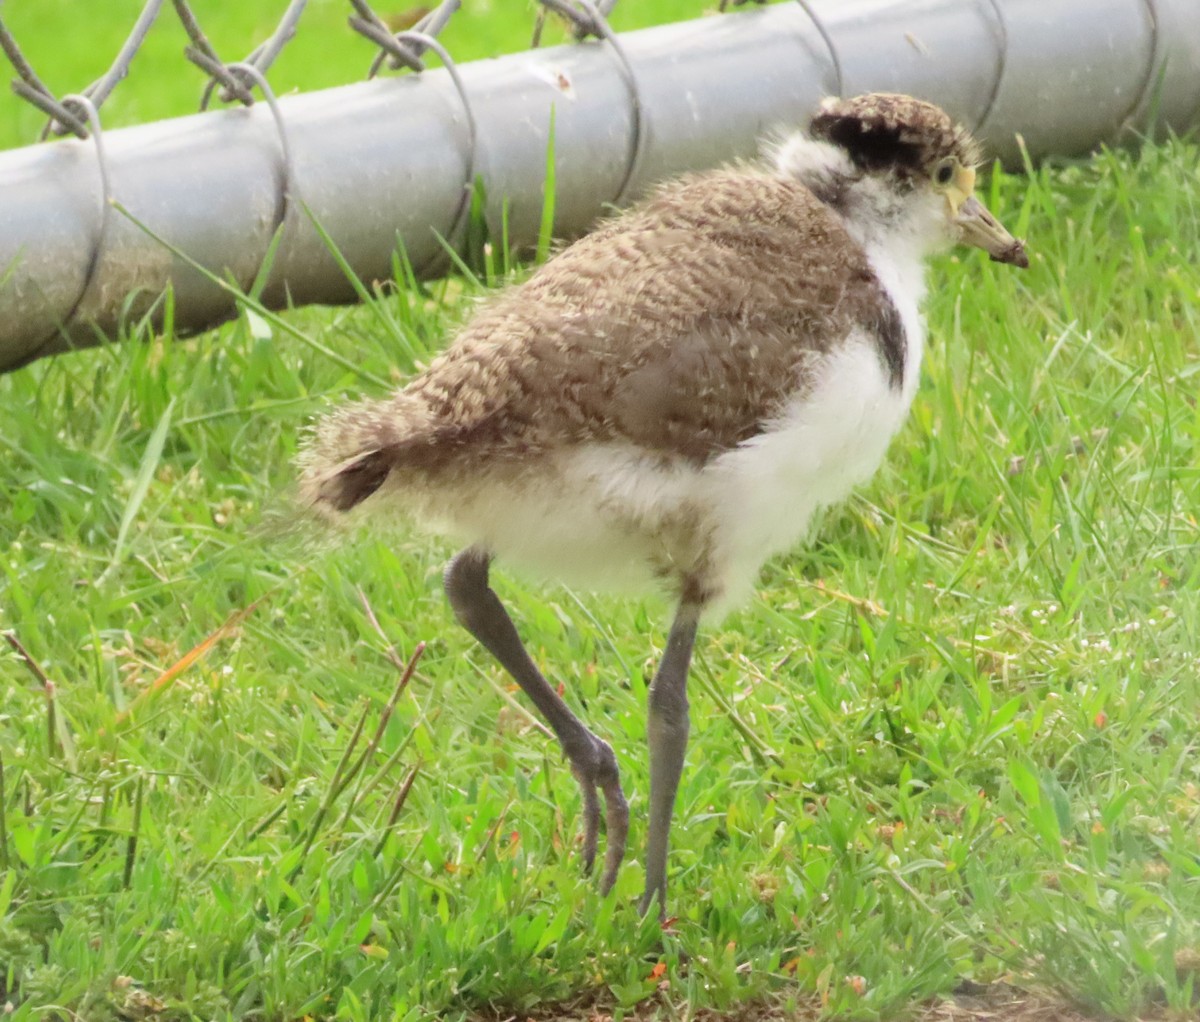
column 392, row 160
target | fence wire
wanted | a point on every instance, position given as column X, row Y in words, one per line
column 399, row 50
column 404, row 47
column 403, row 50
column 236, row 82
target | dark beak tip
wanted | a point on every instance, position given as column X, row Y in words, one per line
column 1014, row 255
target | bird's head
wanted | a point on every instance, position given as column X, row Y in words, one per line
column 894, row 165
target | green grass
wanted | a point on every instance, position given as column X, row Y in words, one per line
column 953, row 740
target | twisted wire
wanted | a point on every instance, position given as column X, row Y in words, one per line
column 589, row 19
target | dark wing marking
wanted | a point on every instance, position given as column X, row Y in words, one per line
column 888, row 329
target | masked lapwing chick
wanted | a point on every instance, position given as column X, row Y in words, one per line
column 668, row 401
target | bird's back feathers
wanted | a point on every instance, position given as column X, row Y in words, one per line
column 681, row 327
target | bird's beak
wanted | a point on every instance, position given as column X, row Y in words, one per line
column 976, row 226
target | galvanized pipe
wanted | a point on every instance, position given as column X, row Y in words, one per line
column 387, row 161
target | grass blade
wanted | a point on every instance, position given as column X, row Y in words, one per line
column 244, row 300
column 3, row 824
column 164, row 680
column 549, row 189
column 135, row 830
column 141, row 485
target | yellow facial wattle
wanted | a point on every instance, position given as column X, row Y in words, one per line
column 961, row 188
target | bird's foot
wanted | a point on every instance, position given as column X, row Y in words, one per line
column 597, row 773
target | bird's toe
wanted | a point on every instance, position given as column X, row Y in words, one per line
column 597, row 772
column 617, row 823
column 591, row 825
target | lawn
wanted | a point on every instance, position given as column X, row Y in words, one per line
column 951, row 746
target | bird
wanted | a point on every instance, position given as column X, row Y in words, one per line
column 667, row 402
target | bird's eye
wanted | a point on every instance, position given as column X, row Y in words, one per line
column 944, row 172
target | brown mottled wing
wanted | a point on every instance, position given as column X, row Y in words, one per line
column 681, row 327
column 779, row 299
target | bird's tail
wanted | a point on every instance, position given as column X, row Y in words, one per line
column 350, row 454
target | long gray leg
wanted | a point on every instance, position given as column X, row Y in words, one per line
column 667, row 731
column 480, row 611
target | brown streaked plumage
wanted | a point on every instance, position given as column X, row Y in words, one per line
column 680, row 327
column 670, row 399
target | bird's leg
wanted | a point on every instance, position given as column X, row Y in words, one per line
column 480, row 611
column 667, row 731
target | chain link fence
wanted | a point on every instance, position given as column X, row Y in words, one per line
column 100, row 225
column 236, row 81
